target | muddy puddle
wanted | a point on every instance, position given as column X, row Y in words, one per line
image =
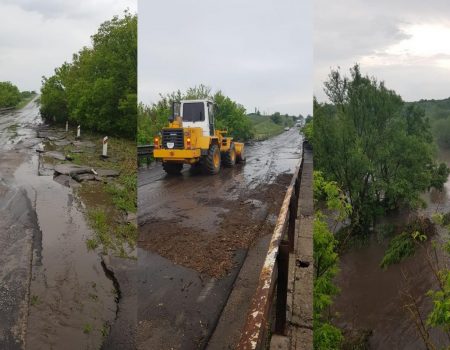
column 70, row 296
column 374, row 300
column 70, row 303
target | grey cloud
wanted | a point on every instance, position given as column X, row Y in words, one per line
column 36, row 37
column 258, row 52
column 347, row 31
column 51, row 9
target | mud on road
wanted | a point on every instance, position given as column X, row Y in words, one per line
column 54, row 292
column 195, row 233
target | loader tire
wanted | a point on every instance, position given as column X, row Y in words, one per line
column 172, row 168
column 229, row 157
column 211, row 162
column 241, row 158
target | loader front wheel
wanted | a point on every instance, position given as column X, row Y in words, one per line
column 211, row 162
column 229, row 157
column 172, row 168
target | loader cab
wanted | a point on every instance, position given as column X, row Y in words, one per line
column 196, row 114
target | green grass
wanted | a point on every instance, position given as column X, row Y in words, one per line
column 87, row 328
column 265, row 128
column 99, row 222
column 108, row 203
column 92, row 243
column 105, row 330
column 34, row 300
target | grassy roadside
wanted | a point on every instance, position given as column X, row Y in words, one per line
column 265, row 128
column 25, row 101
column 110, row 205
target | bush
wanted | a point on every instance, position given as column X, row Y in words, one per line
column 9, row 95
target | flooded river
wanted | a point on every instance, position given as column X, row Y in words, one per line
column 374, row 299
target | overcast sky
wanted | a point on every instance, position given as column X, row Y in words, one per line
column 38, row 36
column 404, row 43
column 258, row 52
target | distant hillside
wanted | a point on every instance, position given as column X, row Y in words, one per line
column 438, row 111
column 435, row 109
column 266, row 126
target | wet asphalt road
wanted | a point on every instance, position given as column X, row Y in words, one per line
column 179, row 307
column 51, row 286
column 18, row 227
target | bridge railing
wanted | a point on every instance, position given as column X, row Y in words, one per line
column 144, row 151
column 274, row 273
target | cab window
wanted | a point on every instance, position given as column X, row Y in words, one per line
column 194, row 112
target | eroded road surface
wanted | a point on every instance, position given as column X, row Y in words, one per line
column 196, row 232
column 54, row 293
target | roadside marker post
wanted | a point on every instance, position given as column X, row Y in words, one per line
column 105, row 147
column 67, row 125
column 78, row 131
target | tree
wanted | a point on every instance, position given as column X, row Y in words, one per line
column 9, row 94
column 232, row 116
column 276, row 118
column 98, row 89
column 377, row 150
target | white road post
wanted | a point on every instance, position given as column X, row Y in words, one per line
column 78, row 131
column 105, row 147
column 67, row 125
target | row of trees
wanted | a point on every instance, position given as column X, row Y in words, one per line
column 10, row 96
column 98, row 89
column 438, row 111
column 229, row 114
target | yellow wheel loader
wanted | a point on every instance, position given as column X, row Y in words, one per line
column 191, row 138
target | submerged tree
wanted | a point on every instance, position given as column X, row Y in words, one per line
column 380, row 152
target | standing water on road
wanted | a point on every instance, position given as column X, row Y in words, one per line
column 61, row 297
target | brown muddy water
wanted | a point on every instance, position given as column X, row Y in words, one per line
column 71, row 303
column 374, row 299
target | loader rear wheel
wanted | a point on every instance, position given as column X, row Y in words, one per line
column 172, row 168
column 229, row 157
column 211, row 162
